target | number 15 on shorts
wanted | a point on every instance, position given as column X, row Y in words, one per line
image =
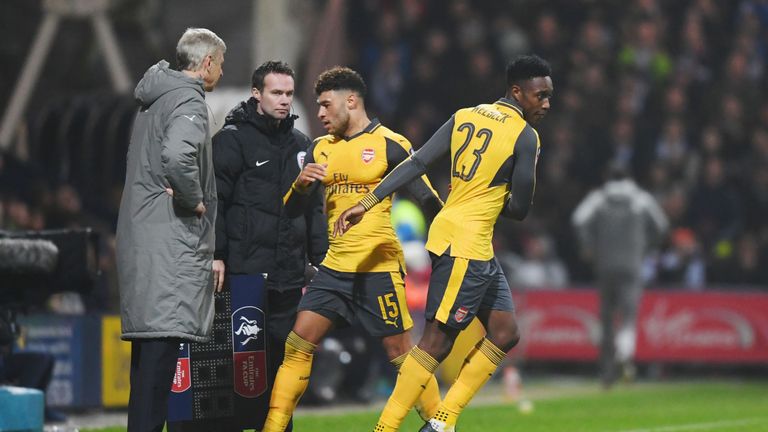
column 389, row 308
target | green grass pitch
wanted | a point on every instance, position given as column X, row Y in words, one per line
column 667, row 407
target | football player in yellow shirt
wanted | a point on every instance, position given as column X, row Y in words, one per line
column 493, row 152
column 361, row 277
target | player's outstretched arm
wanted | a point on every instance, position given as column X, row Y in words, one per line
column 420, row 188
column 524, row 175
column 411, row 168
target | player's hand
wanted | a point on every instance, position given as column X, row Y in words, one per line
column 311, row 173
column 200, row 209
column 351, row 216
column 218, row 274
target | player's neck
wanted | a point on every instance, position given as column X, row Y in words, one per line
column 357, row 124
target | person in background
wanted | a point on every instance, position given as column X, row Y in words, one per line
column 617, row 226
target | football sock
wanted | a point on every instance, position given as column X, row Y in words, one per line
column 429, row 400
column 413, row 377
column 478, row 367
column 290, row 383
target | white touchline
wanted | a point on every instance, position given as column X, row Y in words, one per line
column 698, row 426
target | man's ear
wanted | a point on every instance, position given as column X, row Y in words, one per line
column 352, row 100
column 515, row 92
column 256, row 93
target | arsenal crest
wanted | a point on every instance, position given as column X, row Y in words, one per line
column 368, row 155
column 460, row 314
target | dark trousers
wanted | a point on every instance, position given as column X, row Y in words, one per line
column 29, row 369
column 153, row 363
column 620, row 294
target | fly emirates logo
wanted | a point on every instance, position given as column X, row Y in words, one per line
column 341, row 185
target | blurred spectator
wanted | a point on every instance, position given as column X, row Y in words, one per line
column 674, row 201
column 715, row 18
column 622, row 143
column 510, row 39
column 387, row 82
column 733, row 125
column 469, row 28
column 739, row 81
column 595, row 44
column 387, row 36
column 644, row 55
column 756, row 207
column 592, row 81
column 714, row 209
column 631, row 95
column 66, row 208
column 479, row 80
column 538, row 267
column 742, row 263
column 711, row 143
column 759, row 143
column 672, row 151
column 694, row 66
column 549, row 42
column 644, row 9
column 681, row 263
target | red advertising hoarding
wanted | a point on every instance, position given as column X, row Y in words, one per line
column 559, row 325
column 672, row 326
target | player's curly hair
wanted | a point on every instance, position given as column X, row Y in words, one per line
column 268, row 67
column 525, row 67
column 341, row 78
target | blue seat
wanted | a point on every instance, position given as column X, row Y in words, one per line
column 21, row 409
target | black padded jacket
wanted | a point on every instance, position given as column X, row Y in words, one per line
column 255, row 161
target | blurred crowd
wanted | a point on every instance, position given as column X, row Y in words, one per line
column 28, row 202
column 674, row 91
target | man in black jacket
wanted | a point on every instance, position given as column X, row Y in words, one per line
column 257, row 155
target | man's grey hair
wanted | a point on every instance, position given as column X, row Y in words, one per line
column 195, row 45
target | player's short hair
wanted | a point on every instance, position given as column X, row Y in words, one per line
column 525, row 67
column 341, row 78
column 268, row 67
column 195, row 45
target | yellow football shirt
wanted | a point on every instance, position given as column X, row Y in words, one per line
column 356, row 165
column 482, row 159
